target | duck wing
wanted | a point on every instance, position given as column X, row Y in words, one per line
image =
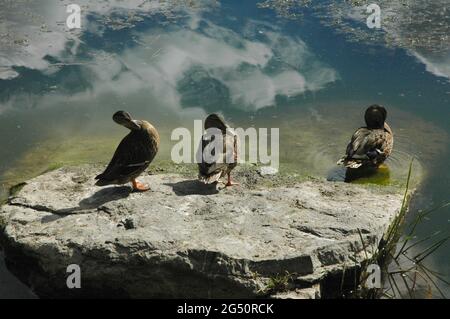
column 386, row 142
column 132, row 156
column 211, row 172
column 360, row 144
column 368, row 146
column 230, row 152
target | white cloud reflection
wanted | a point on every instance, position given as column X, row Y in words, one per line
column 439, row 66
column 403, row 22
column 162, row 58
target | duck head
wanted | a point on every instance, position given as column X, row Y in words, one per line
column 215, row 121
column 124, row 118
column 375, row 117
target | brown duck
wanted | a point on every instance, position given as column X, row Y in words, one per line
column 133, row 155
column 371, row 145
column 211, row 172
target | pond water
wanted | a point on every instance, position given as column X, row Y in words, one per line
column 309, row 68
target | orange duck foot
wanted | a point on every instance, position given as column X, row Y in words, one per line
column 139, row 187
column 230, row 183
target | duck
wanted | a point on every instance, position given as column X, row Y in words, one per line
column 211, row 172
column 371, row 145
column 133, row 155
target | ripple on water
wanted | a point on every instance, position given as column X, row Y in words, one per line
column 318, row 144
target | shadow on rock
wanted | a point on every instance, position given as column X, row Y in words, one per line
column 193, row 187
column 98, row 199
column 104, row 196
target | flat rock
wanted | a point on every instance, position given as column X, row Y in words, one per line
column 267, row 170
column 184, row 239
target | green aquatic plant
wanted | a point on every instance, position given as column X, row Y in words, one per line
column 404, row 273
column 278, row 283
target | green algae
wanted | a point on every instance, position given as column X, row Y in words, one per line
column 315, row 136
column 312, row 139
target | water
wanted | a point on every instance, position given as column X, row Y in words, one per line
column 281, row 66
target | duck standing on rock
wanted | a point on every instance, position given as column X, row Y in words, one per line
column 133, row 155
column 370, row 146
column 210, row 173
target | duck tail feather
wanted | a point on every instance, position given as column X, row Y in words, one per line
column 348, row 163
column 102, row 182
column 209, row 179
column 353, row 164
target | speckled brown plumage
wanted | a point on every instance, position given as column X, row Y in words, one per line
column 211, row 172
column 133, row 155
column 370, row 145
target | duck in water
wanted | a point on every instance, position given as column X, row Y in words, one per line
column 133, row 155
column 371, row 145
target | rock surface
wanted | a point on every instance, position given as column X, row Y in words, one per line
column 184, row 239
